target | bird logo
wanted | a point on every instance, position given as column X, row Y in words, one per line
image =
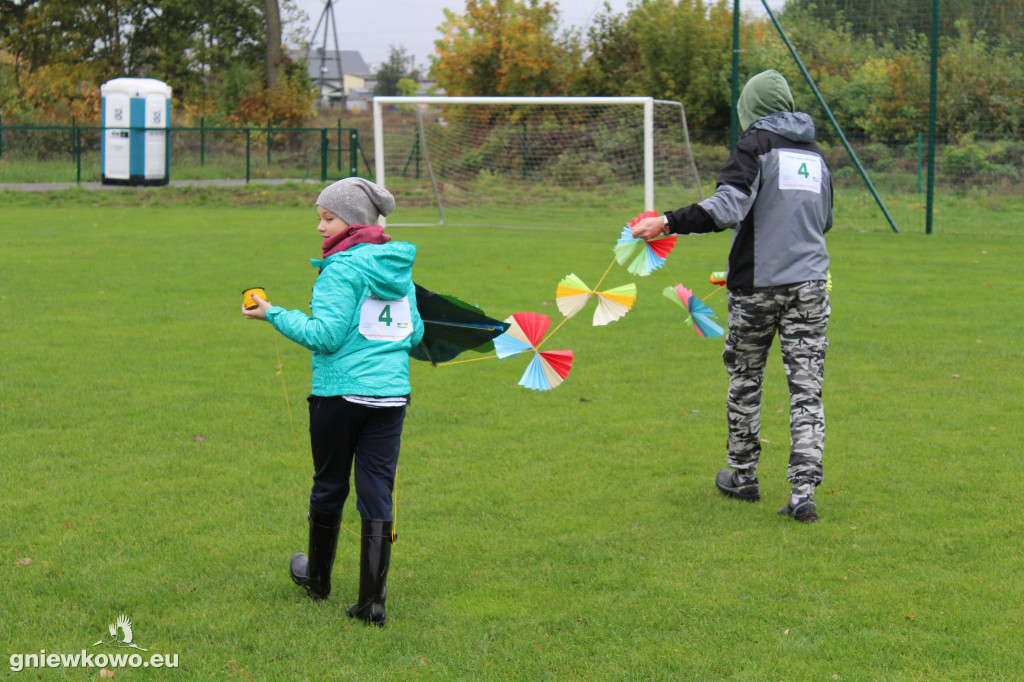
column 121, row 634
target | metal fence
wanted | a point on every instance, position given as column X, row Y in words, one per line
column 30, row 153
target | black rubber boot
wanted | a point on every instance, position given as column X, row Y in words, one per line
column 313, row 571
column 374, row 558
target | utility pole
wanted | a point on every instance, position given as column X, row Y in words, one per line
column 326, row 19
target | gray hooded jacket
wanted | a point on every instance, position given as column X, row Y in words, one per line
column 775, row 191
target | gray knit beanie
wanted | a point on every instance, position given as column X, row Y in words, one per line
column 356, row 201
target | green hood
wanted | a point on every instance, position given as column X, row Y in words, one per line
column 764, row 94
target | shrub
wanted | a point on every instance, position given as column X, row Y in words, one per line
column 965, row 158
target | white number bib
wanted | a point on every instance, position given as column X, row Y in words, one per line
column 381, row 320
column 800, row 171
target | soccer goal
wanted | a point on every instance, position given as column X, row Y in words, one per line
column 530, row 161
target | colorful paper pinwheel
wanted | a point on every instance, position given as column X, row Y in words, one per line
column 547, row 369
column 699, row 311
column 641, row 257
column 572, row 294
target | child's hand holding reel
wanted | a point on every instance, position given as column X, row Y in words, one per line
column 254, row 305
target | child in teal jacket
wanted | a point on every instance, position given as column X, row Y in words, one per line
column 364, row 322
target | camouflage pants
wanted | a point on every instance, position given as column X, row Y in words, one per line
column 799, row 312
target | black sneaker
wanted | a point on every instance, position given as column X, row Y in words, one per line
column 805, row 510
column 730, row 484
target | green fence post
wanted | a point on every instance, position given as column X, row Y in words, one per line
column 932, row 103
column 74, row 150
column 268, row 147
column 414, row 153
column 202, row 141
column 353, row 152
column 919, row 162
column 522, row 148
column 76, row 144
column 339, row 145
column 1, row 137
column 248, row 137
column 323, row 155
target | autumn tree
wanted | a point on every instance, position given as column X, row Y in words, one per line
column 877, row 86
column 678, row 50
column 686, row 48
column 900, row 21
column 612, row 66
column 505, row 48
column 56, row 53
column 392, row 72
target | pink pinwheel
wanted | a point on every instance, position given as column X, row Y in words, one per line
column 700, row 312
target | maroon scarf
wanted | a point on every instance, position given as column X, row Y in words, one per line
column 355, row 234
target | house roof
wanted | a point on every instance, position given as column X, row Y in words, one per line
column 351, row 63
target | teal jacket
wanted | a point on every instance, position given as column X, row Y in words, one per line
column 364, row 321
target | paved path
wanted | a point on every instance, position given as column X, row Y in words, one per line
column 57, row 186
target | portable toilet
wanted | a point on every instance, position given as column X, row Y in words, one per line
column 132, row 152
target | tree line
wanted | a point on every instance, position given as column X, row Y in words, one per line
column 54, row 54
column 869, row 57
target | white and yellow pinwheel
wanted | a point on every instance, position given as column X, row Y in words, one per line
column 573, row 294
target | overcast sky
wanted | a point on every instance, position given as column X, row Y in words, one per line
column 373, row 26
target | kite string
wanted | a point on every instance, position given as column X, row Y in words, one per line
column 460, row 362
column 284, row 388
column 607, row 270
column 592, row 291
column 713, row 291
column 545, row 339
column 298, row 450
column 671, row 276
column 564, row 320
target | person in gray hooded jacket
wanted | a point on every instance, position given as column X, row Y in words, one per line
column 775, row 193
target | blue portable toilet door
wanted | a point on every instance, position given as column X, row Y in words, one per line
column 157, row 112
column 115, row 152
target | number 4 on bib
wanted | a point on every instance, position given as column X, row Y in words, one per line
column 799, row 171
column 381, row 320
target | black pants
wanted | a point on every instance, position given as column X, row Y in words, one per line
column 343, row 435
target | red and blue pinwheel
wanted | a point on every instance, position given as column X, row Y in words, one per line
column 547, row 369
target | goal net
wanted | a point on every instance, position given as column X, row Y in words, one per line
column 530, row 161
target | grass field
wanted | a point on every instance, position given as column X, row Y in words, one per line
column 149, row 466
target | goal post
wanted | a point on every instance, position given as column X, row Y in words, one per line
column 510, row 157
